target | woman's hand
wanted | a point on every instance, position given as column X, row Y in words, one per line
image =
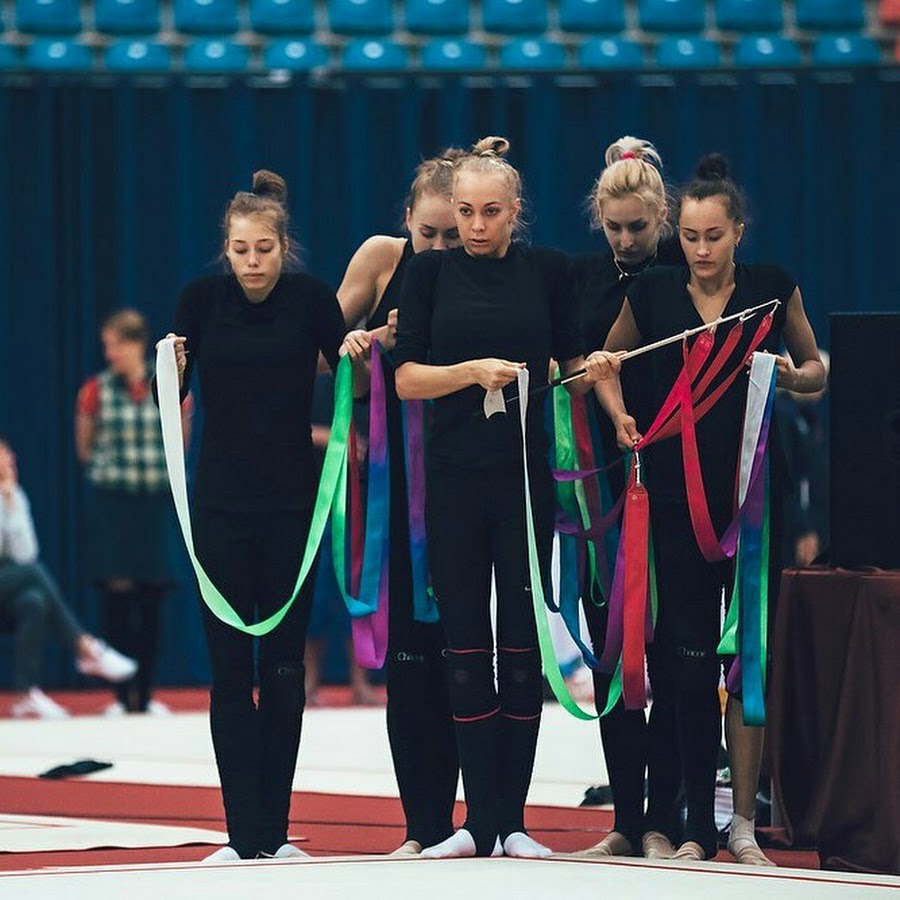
column 788, row 377
column 357, row 345
column 627, row 434
column 600, row 365
column 494, row 374
column 180, row 354
column 390, row 338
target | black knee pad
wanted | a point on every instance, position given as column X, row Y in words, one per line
column 470, row 680
column 283, row 685
column 519, row 680
column 697, row 669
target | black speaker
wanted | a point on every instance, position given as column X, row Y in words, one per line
column 865, row 440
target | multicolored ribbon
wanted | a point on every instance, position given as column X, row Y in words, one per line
column 173, row 443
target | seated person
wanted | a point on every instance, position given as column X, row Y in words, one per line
column 31, row 606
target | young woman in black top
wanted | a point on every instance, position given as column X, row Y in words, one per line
column 684, row 665
column 629, row 203
column 420, row 726
column 254, row 336
column 470, row 319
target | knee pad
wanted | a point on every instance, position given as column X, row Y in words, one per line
column 697, row 669
column 283, row 685
column 470, row 680
column 519, row 679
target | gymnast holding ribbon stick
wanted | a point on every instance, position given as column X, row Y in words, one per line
column 254, row 337
column 419, row 723
column 629, row 204
column 702, row 389
column 475, row 319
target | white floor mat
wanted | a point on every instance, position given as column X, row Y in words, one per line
column 377, row 878
column 37, row 834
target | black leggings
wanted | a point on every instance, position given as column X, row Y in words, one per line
column 419, row 723
column 253, row 559
column 132, row 618
column 476, row 523
column 633, row 745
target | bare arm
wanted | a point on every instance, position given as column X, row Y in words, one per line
column 623, row 335
column 419, row 381
column 367, row 275
column 803, row 372
column 85, row 428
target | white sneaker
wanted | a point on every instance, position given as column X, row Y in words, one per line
column 114, row 709
column 104, row 662
column 158, row 708
column 286, row 851
column 223, row 854
column 37, row 705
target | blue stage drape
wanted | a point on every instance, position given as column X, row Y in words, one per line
column 112, row 193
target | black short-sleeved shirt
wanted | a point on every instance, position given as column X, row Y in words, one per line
column 601, row 287
column 455, row 307
column 257, row 369
column 662, row 307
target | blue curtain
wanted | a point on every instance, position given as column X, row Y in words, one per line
column 112, row 192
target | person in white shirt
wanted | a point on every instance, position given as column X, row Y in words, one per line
column 31, row 606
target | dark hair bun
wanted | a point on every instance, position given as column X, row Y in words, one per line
column 269, row 184
column 712, row 167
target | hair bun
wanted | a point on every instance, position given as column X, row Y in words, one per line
column 269, row 184
column 491, row 146
column 712, row 167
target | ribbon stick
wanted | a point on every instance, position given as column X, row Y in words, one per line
column 173, row 443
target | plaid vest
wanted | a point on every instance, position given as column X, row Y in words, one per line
column 127, row 453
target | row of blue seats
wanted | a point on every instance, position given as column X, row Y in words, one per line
column 374, row 54
column 431, row 17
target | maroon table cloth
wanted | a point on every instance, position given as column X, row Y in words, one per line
column 834, row 715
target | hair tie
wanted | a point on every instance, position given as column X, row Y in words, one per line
column 628, row 154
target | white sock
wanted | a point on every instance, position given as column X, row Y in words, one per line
column 521, row 845
column 456, row 846
column 742, row 843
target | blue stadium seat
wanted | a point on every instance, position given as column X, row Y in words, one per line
column 450, row 54
column 687, row 53
column 766, row 50
column 9, row 57
column 57, row 53
column 126, row 16
column 846, row 50
column 680, row 16
column 822, row 14
column 514, row 16
column 437, row 16
column 364, row 17
column 532, row 53
column 137, row 56
column 282, row 16
column 592, row 16
column 216, row 55
column 749, row 15
column 610, row 53
column 54, row 17
column 295, row 54
column 206, row 16
column 373, row 54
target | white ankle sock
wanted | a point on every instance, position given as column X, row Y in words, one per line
column 742, row 843
column 457, row 845
column 521, row 845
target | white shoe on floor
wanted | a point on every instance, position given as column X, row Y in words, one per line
column 286, row 851
column 37, row 705
column 102, row 661
column 158, row 708
column 223, row 854
column 114, row 709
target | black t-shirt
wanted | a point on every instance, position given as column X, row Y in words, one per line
column 257, row 369
column 662, row 307
column 602, row 286
column 455, row 307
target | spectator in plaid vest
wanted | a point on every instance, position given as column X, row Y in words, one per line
column 134, row 551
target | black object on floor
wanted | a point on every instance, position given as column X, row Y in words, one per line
column 82, row 767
